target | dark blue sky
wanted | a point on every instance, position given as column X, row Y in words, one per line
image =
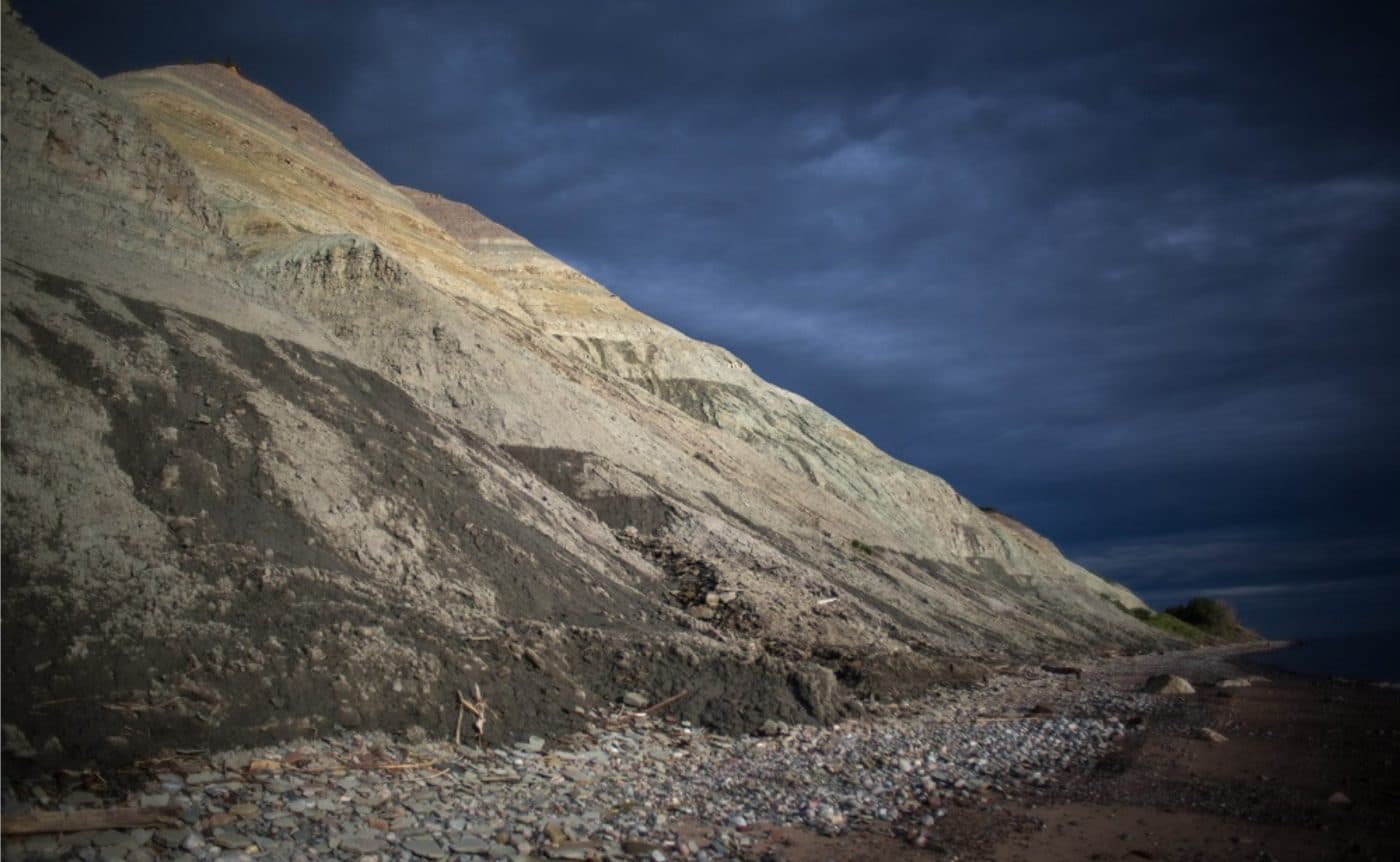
column 1125, row 271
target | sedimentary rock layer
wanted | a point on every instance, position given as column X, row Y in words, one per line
column 287, row 446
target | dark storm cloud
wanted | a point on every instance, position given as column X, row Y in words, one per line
column 1124, row 270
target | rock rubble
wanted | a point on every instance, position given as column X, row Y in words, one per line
column 630, row 786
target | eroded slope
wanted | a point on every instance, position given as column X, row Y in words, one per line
column 285, row 445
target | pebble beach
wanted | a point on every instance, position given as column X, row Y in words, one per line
column 636, row 784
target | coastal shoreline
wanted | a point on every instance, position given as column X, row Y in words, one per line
column 1039, row 763
column 1365, row 657
column 1306, row 771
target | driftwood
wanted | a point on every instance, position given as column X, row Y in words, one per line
column 477, row 708
column 1064, row 670
column 649, row 711
column 660, row 705
column 388, row 767
column 86, row 820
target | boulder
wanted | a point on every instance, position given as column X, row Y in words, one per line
column 772, row 727
column 1166, row 683
column 1210, row 735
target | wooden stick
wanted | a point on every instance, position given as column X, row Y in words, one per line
column 86, row 820
column 139, row 707
column 88, row 777
column 478, row 709
column 367, row 766
column 667, row 702
column 45, row 704
column 457, row 736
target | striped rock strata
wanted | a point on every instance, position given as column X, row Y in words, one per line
column 286, row 445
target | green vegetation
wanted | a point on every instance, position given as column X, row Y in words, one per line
column 858, row 545
column 1200, row 620
column 1209, row 615
column 1175, row 627
column 1143, row 614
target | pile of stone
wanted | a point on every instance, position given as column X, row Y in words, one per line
column 694, row 583
column 634, row 785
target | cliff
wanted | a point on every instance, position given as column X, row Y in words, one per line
column 286, row 445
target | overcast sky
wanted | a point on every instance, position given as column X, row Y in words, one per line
column 1125, row 271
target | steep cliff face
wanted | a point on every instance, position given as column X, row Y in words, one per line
column 67, row 139
column 906, row 507
column 285, row 445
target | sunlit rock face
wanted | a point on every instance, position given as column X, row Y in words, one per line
column 287, row 446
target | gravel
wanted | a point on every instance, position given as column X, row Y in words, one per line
column 630, row 786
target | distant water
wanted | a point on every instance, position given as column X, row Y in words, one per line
column 1374, row 656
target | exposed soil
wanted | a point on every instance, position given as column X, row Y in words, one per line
column 568, row 471
column 289, row 587
column 693, row 584
column 255, row 615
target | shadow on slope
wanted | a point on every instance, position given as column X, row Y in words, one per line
column 292, row 544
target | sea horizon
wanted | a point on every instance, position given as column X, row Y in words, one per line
column 1366, row 656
